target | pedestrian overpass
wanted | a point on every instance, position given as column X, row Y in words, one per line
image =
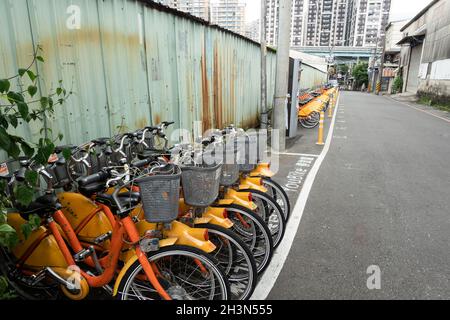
column 341, row 54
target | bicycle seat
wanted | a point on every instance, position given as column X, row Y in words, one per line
column 42, row 206
column 101, row 141
column 60, row 149
column 151, row 153
column 127, row 200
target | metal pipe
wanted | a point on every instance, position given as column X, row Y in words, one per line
column 264, row 115
column 281, row 83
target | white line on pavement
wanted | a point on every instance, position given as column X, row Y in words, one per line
column 268, row 279
column 418, row 109
column 297, row 154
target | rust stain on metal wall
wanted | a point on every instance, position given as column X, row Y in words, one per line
column 206, row 114
column 217, row 90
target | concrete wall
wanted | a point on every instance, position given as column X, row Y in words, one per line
column 434, row 71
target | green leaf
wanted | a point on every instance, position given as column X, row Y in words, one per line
column 67, row 153
column 15, row 97
column 40, row 58
column 32, row 90
column 22, row 72
column 6, row 228
column 14, row 150
column 44, row 153
column 60, row 136
column 59, row 91
column 31, row 177
column 13, row 120
column 27, row 150
column 5, row 140
column 3, row 218
column 44, row 102
column 23, row 110
column 34, row 221
column 24, row 195
column 26, row 229
column 31, row 75
column 4, row 85
column 3, row 121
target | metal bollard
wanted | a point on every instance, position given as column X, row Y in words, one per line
column 321, row 122
column 330, row 109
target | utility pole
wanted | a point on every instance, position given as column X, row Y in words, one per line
column 380, row 70
column 264, row 117
column 281, row 82
column 374, row 79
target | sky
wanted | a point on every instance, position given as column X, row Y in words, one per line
column 400, row 9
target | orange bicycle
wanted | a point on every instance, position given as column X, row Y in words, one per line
column 52, row 259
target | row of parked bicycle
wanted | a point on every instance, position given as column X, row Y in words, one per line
column 139, row 220
column 314, row 102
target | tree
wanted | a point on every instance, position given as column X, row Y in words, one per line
column 360, row 74
column 343, row 69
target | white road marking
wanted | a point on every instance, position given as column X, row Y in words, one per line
column 272, row 272
column 296, row 154
column 418, row 109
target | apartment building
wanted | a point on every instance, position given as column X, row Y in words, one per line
column 331, row 22
column 229, row 14
column 198, row 8
column 297, row 21
column 252, row 30
column 326, row 22
column 367, row 21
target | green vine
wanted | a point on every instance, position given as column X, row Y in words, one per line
column 18, row 108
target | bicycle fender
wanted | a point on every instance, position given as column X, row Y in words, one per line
column 218, row 221
column 240, row 198
column 133, row 257
column 122, row 272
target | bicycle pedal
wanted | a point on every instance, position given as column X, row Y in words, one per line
column 102, row 238
column 37, row 277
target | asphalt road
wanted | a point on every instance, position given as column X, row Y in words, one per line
column 381, row 197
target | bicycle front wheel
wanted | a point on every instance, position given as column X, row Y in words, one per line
column 277, row 192
column 186, row 273
column 272, row 214
column 235, row 259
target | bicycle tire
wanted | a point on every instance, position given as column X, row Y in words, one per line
column 277, row 189
column 277, row 234
column 263, row 233
column 236, row 282
column 190, row 252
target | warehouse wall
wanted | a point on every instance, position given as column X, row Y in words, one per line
column 132, row 63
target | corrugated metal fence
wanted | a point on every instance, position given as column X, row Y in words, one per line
column 133, row 63
column 311, row 78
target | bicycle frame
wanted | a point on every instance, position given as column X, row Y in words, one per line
column 123, row 227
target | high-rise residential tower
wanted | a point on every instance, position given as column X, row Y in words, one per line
column 367, row 22
column 331, row 23
column 229, row 14
column 198, row 8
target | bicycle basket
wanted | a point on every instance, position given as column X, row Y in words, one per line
column 201, row 184
column 159, row 195
column 228, row 155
